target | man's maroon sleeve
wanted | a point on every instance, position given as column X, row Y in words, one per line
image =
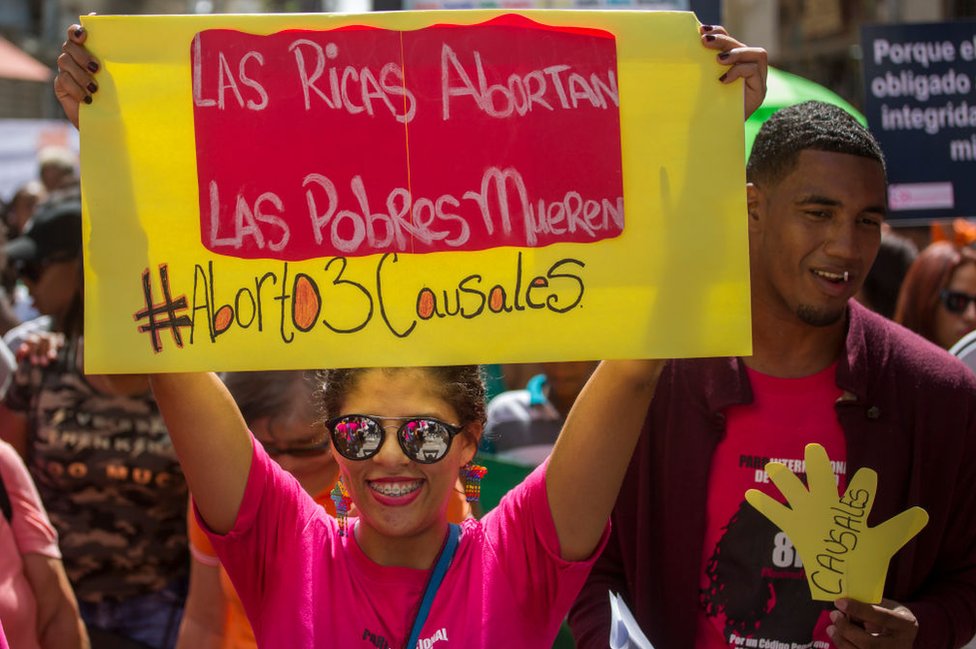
column 589, row 618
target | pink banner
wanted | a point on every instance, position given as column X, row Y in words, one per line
column 361, row 140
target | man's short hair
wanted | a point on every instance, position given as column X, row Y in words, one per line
column 811, row 125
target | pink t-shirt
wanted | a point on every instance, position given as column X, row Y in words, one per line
column 753, row 587
column 28, row 532
column 304, row 586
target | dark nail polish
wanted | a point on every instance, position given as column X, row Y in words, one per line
column 709, row 37
column 93, row 66
column 723, row 77
column 88, row 99
column 707, row 28
column 92, row 87
column 79, row 32
column 723, row 56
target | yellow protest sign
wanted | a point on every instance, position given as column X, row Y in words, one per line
column 287, row 191
column 841, row 555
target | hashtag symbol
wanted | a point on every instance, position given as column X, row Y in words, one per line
column 163, row 315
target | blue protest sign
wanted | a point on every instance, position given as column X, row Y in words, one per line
column 921, row 105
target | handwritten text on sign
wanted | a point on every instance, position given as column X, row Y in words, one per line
column 542, row 101
column 343, row 299
column 362, row 140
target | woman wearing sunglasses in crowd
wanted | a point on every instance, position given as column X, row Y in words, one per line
column 400, row 575
column 278, row 408
column 938, row 297
column 401, row 438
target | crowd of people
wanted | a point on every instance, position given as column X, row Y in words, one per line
column 330, row 507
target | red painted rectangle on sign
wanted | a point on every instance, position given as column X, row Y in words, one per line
column 360, row 140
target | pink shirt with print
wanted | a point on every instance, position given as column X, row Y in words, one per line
column 304, row 586
column 754, row 589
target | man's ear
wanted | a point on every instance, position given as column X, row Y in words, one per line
column 755, row 206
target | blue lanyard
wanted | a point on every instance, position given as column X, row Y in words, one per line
column 436, row 577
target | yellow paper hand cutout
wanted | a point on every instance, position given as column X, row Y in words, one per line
column 842, row 556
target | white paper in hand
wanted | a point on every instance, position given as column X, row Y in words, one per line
column 624, row 632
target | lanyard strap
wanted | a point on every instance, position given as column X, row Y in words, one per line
column 436, row 577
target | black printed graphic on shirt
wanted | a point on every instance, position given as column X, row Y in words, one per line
column 757, row 585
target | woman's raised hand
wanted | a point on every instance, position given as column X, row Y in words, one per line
column 75, row 82
column 746, row 63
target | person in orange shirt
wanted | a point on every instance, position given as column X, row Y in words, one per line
column 277, row 407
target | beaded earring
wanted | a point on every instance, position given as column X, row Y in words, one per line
column 471, row 475
column 342, row 501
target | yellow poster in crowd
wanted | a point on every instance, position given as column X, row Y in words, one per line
column 413, row 188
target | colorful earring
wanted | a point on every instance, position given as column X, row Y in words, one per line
column 471, row 475
column 342, row 501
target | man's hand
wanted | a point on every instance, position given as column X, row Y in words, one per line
column 857, row 625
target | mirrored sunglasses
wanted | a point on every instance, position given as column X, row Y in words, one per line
column 305, row 450
column 956, row 301
column 423, row 439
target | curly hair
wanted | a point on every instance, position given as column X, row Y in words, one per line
column 810, row 125
column 461, row 386
column 931, row 272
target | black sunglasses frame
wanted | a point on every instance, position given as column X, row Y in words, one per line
column 451, row 429
column 948, row 297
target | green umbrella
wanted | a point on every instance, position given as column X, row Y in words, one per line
column 785, row 89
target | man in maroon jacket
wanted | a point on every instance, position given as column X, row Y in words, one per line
column 697, row 564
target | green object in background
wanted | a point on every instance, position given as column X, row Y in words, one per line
column 565, row 638
column 785, row 89
column 502, row 476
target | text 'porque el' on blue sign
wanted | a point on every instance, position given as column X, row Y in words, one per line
column 921, row 105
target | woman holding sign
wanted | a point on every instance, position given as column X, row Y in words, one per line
column 400, row 575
